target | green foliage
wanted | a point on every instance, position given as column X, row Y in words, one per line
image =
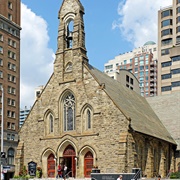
column 23, row 172
column 16, row 177
column 38, row 172
column 175, row 175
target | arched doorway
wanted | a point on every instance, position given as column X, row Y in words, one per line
column 88, row 164
column 51, row 166
column 69, row 160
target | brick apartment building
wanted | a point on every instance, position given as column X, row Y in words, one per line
column 9, row 78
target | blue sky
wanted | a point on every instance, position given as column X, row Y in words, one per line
column 111, row 26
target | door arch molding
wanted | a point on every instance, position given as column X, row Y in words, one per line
column 63, row 146
column 44, row 160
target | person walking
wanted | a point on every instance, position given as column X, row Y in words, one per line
column 120, row 177
column 59, row 172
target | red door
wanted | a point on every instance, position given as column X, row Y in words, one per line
column 69, row 160
column 88, row 164
column 51, row 166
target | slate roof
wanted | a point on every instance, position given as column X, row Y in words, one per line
column 132, row 105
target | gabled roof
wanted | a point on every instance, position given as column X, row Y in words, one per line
column 133, row 106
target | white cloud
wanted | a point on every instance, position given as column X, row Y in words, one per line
column 36, row 58
column 138, row 20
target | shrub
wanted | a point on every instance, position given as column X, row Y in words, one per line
column 175, row 175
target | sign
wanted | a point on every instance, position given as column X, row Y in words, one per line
column 6, row 167
column 3, row 155
column 32, row 168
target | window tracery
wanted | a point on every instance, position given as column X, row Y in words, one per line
column 69, row 112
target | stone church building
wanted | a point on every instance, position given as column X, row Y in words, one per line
column 83, row 118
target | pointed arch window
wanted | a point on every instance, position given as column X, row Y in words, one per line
column 70, row 29
column 69, row 112
column 51, row 123
column 10, row 156
column 88, row 119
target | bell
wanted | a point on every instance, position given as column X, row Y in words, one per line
column 70, row 35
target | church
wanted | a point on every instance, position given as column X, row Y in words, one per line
column 85, row 119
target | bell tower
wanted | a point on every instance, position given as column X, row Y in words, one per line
column 71, row 50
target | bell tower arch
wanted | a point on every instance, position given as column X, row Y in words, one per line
column 71, row 50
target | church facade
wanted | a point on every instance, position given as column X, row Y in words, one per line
column 85, row 119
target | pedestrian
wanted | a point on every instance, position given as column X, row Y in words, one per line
column 120, row 177
column 159, row 177
column 64, row 171
column 59, row 172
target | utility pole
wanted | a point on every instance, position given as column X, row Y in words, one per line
column 2, row 132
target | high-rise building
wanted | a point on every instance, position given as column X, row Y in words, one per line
column 169, row 49
column 142, row 62
column 9, row 78
column 23, row 114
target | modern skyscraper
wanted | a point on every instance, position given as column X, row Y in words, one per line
column 142, row 62
column 169, row 49
column 23, row 114
column 9, row 78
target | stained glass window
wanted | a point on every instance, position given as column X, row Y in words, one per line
column 69, row 112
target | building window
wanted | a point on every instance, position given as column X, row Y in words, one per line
column 166, row 88
column 178, row 39
column 8, row 125
column 166, row 42
column 125, row 61
column 127, row 78
column 11, row 114
column 88, row 119
column 164, row 52
column 166, row 32
column 11, row 78
column 178, row 10
column 10, row 155
column 131, row 81
column 12, row 43
column 1, row 62
column 109, row 67
column 1, row 74
column 1, row 50
column 141, row 68
column 11, row 90
column 166, row 13
column 178, row 29
column 1, row 37
column 176, row 84
column 141, row 62
column 166, row 22
column 11, row 66
column 13, row 126
column 69, row 112
column 51, row 123
column 8, row 136
column 165, row 76
column 11, row 55
column 10, row 17
column 175, row 58
column 10, row 5
column 12, row 137
column 166, row 64
column 175, row 71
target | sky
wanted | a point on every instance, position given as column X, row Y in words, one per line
column 112, row 27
